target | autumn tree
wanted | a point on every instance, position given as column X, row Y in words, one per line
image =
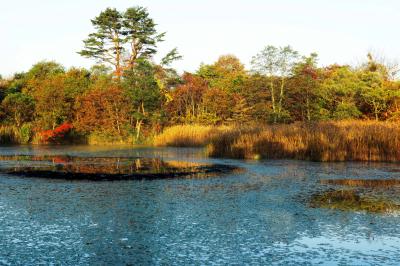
column 257, row 96
column 217, row 106
column 185, row 104
column 103, row 108
column 303, row 95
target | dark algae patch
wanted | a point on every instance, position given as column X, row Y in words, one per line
column 352, row 200
column 368, row 195
column 109, row 168
column 370, row 183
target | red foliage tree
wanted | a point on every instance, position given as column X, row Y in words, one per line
column 57, row 135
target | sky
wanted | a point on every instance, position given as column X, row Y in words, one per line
column 340, row 31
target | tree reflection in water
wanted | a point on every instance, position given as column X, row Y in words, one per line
column 108, row 168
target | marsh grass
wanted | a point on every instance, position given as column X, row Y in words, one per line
column 10, row 135
column 189, row 135
column 325, row 141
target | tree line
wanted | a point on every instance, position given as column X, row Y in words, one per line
column 128, row 93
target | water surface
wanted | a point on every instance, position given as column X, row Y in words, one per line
column 257, row 216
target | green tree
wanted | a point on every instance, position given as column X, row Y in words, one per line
column 38, row 74
column 374, row 93
column 277, row 64
column 52, row 107
column 121, row 38
column 338, row 92
column 142, row 88
column 19, row 108
column 17, row 83
column 77, row 81
column 44, row 69
column 227, row 73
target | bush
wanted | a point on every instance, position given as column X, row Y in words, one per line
column 25, row 133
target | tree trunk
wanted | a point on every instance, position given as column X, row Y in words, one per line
column 273, row 100
column 308, row 109
column 138, row 128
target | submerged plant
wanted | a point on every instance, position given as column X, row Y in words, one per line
column 371, row 183
column 352, row 200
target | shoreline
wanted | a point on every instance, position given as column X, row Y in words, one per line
column 345, row 141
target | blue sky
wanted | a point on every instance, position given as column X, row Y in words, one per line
column 340, row 31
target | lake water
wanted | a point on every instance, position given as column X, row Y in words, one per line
column 256, row 216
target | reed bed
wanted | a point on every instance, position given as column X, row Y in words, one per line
column 189, row 135
column 325, row 141
column 9, row 135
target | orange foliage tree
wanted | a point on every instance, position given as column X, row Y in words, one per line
column 102, row 110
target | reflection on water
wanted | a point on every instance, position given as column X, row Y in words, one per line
column 107, row 168
column 249, row 217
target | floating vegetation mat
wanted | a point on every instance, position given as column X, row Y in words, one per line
column 370, row 183
column 352, row 200
column 108, row 168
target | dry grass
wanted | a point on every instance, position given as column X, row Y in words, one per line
column 189, row 135
column 9, row 135
column 325, row 141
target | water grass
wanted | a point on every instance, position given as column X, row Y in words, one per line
column 368, row 183
column 324, row 141
column 351, row 200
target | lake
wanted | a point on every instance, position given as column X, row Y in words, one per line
column 258, row 215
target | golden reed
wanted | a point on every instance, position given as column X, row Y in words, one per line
column 9, row 135
column 323, row 141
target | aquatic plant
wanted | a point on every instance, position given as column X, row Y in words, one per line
column 352, row 200
column 371, row 183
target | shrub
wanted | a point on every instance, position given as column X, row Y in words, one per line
column 57, row 135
